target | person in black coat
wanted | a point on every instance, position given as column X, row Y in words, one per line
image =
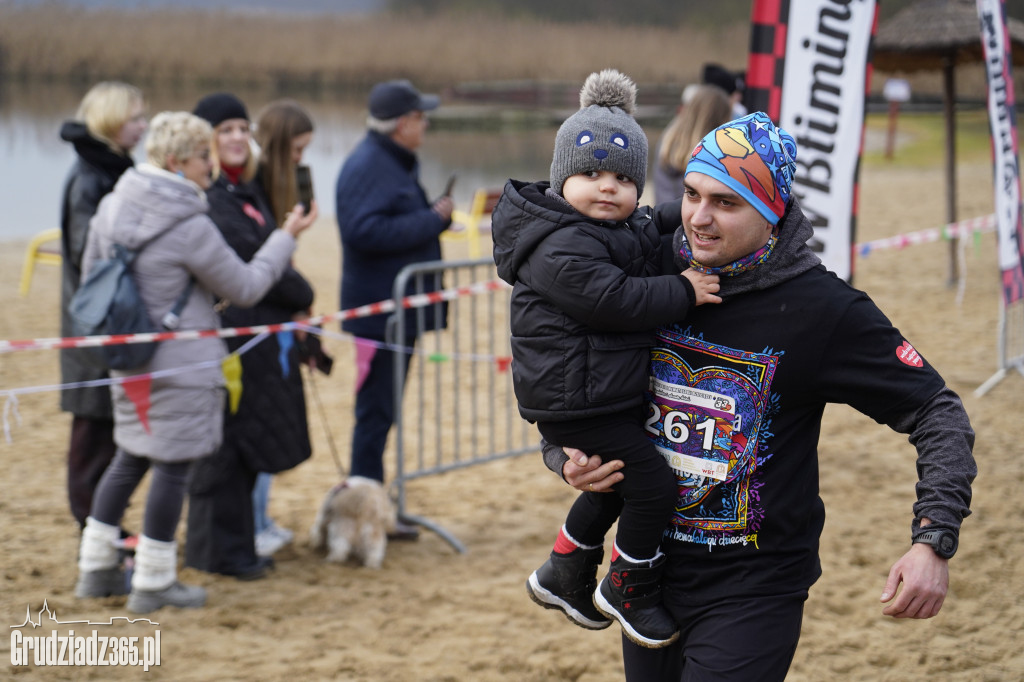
column 283, row 131
column 110, row 122
column 268, row 431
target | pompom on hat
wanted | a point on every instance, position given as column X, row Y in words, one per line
column 754, row 157
column 602, row 135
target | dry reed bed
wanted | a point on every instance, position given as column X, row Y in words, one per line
column 209, row 47
column 333, row 53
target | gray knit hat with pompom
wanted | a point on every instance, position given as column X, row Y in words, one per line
column 602, row 135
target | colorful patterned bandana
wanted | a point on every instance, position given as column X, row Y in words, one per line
column 754, row 158
column 748, row 262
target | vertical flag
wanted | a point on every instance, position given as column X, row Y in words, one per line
column 810, row 70
column 1002, row 113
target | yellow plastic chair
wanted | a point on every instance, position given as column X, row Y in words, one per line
column 483, row 204
column 41, row 249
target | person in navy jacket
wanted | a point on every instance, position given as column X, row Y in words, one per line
column 386, row 223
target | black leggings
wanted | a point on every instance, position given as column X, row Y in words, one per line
column 163, row 503
column 728, row 640
column 644, row 499
column 89, row 454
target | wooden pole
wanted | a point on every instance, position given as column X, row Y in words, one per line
column 890, row 138
column 949, row 107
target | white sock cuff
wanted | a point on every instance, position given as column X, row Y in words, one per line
column 156, row 564
column 636, row 561
column 101, row 530
column 157, row 548
column 96, row 551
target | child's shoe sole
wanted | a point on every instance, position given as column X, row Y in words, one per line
column 549, row 600
column 605, row 607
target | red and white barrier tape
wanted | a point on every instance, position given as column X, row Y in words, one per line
column 964, row 228
column 414, row 301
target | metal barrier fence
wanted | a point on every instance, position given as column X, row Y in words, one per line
column 456, row 408
column 1010, row 344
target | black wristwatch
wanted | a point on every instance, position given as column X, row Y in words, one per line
column 942, row 540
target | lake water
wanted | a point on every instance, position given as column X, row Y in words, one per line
column 479, row 149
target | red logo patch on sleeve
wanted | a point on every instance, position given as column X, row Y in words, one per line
column 909, row 356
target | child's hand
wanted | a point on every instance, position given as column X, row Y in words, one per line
column 704, row 285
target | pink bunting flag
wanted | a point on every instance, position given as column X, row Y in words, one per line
column 137, row 389
column 365, row 350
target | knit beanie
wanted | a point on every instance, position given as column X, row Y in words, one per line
column 754, row 157
column 602, row 135
column 219, row 107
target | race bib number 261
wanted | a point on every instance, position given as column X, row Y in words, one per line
column 692, row 429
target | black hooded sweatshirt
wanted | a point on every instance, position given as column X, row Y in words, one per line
column 740, row 388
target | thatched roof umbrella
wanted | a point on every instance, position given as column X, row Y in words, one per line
column 940, row 34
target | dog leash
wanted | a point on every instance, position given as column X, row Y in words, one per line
column 327, row 428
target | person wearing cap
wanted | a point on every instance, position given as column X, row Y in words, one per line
column 737, row 395
column 267, row 430
column 583, row 261
column 386, row 222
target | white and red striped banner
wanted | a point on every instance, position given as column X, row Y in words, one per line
column 1002, row 113
column 809, row 70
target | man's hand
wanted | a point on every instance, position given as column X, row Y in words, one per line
column 444, row 207
column 588, row 474
column 925, row 578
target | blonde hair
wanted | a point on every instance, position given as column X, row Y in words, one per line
column 277, row 126
column 252, row 160
column 106, row 108
column 708, row 108
column 178, row 134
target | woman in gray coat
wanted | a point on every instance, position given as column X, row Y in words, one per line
column 160, row 210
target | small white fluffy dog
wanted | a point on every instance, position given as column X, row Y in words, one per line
column 354, row 521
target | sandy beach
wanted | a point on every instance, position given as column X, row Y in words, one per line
column 434, row 615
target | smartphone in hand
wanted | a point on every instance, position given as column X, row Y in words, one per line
column 451, row 184
column 304, row 183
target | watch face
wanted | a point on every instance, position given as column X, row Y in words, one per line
column 947, row 545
